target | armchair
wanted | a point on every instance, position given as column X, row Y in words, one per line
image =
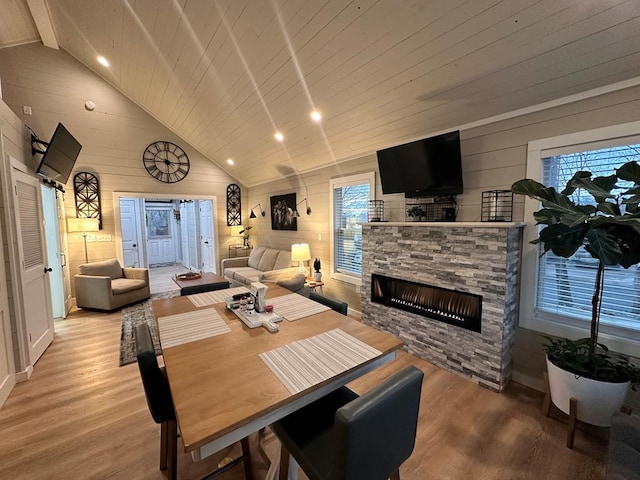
column 106, row 285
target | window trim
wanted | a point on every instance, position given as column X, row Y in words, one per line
column 358, row 179
column 617, row 339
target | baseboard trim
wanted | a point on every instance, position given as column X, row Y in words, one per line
column 24, row 375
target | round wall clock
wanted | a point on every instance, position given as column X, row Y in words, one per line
column 166, row 161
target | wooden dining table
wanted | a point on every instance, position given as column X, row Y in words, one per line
column 223, row 391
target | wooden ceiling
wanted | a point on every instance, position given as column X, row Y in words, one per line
column 226, row 75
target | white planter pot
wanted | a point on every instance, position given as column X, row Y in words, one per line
column 317, row 276
column 596, row 401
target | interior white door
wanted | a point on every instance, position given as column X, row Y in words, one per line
column 131, row 232
column 193, row 227
column 36, row 293
column 184, row 235
column 54, row 251
column 207, row 242
column 160, row 235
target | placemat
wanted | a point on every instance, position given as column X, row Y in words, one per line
column 190, row 326
column 294, row 307
column 304, row 363
column 216, row 296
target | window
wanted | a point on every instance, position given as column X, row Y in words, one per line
column 349, row 203
column 556, row 292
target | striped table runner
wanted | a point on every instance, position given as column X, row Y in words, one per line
column 216, row 296
column 294, row 307
column 302, row 364
column 190, row 326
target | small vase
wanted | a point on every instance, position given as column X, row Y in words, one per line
column 317, row 276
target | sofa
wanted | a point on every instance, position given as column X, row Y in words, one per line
column 623, row 459
column 106, row 285
column 262, row 265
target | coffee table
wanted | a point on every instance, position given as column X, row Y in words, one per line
column 206, row 283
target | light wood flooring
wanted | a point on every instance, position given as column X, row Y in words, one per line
column 80, row 416
column 161, row 278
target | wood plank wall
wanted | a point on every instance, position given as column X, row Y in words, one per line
column 113, row 136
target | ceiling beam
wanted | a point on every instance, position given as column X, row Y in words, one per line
column 42, row 19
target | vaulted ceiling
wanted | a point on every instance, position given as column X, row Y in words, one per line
column 226, row 75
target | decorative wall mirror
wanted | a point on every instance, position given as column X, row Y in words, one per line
column 86, row 189
column 234, row 211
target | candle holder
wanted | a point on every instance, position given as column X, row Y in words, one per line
column 497, row 206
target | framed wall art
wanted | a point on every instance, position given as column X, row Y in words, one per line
column 282, row 216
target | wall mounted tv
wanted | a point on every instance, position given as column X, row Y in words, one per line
column 427, row 167
column 60, row 156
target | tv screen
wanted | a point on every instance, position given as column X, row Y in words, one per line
column 60, row 157
column 431, row 166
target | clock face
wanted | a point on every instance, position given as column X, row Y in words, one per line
column 166, row 161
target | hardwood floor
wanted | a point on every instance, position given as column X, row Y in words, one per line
column 80, row 416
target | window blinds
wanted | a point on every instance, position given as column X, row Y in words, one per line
column 565, row 285
column 350, row 205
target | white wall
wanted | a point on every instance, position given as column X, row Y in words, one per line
column 113, row 137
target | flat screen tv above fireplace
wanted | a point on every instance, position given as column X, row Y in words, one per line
column 428, row 167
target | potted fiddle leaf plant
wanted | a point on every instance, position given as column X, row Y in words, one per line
column 608, row 229
column 317, row 274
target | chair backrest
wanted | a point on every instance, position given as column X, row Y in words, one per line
column 338, row 306
column 154, row 379
column 376, row 432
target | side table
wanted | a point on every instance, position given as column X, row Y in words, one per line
column 239, row 251
column 312, row 285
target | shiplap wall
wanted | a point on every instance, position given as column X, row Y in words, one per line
column 113, row 137
column 494, row 156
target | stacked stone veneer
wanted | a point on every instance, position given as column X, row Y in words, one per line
column 475, row 259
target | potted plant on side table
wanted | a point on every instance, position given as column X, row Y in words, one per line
column 609, row 230
column 317, row 275
column 415, row 213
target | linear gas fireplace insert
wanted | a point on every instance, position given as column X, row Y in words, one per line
column 449, row 306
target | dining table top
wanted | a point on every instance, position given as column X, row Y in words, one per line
column 220, row 384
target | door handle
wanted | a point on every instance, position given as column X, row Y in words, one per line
column 134, row 245
column 47, row 270
column 64, row 257
column 206, row 243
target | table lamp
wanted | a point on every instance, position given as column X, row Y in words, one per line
column 300, row 252
column 83, row 225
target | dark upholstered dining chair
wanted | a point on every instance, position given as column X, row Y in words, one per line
column 338, row 306
column 345, row 437
column 156, row 389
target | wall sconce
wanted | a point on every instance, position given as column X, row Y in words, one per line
column 295, row 210
column 176, row 214
column 253, row 215
column 83, row 225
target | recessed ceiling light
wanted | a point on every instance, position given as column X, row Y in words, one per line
column 278, row 136
column 316, row 116
column 103, row 61
column 230, row 161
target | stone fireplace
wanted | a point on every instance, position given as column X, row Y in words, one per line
column 428, row 261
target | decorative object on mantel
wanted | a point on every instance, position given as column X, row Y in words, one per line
column 609, row 230
column 497, row 206
column 416, row 213
column 86, row 189
column 317, row 275
column 282, row 216
column 376, row 211
column 434, row 209
column 234, row 206
column 295, row 210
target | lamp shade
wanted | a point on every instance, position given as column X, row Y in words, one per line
column 300, row 252
column 83, row 224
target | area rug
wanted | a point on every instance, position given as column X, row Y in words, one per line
column 135, row 315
